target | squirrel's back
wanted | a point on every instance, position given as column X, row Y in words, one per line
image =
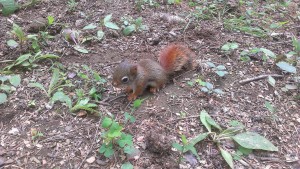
column 174, row 57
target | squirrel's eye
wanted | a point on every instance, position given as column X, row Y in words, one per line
column 125, row 79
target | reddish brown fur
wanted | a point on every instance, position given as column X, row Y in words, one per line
column 174, row 57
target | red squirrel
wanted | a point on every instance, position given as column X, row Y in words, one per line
column 136, row 77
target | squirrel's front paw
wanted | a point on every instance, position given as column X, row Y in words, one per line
column 132, row 97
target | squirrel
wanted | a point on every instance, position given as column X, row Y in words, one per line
column 137, row 77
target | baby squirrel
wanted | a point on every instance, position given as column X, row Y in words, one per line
column 136, row 77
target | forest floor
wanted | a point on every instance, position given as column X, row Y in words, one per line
column 34, row 133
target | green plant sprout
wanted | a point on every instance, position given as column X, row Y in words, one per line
column 247, row 141
column 220, row 70
column 7, row 88
column 131, row 25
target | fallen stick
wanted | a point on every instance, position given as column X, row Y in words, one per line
column 242, row 82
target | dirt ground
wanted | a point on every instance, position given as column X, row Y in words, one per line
column 71, row 141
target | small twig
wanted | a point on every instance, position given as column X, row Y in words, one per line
column 117, row 97
column 242, row 82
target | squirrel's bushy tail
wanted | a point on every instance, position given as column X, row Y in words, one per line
column 174, row 57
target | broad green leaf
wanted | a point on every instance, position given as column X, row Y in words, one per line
column 252, row 140
column 268, row 52
column 107, row 18
column 3, row 78
column 38, row 85
column 22, row 58
column 111, row 25
column 12, row 43
column 291, row 87
column 218, row 91
column 9, row 6
column 212, row 122
column 50, row 20
column 137, row 103
column 210, row 64
column 129, row 117
column 100, row 34
column 60, row 96
column 15, row 80
column 221, row 67
column 129, row 149
column 269, row 107
column 192, row 149
column 54, row 80
column 138, row 21
column 127, row 165
column 81, row 49
column 5, row 88
column 115, row 130
column 209, row 86
column 106, row 122
column 235, row 123
column 126, row 139
column 228, row 158
column 204, row 89
column 47, row 56
column 107, row 150
column 177, row 146
column 3, row 98
column 221, row 73
column 203, row 115
column 230, row 131
column 128, row 30
column 244, row 150
column 271, row 81
column 184, row 140
column 286, row 67
column 198, row 138
column 90, row 26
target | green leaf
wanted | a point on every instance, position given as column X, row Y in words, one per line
column 203, row 115
column 5, row 88
column 177, row 146
column 12, row 43
column 269, row 107
column 244, row 150
column 129, row 149
column 126, row 139
column 296, row 44
column 221, row 67
column 193, row 150
column 50, row 20
column 286, row 67
column 47, row 56
column 271, row 81
column 221, row 73
column 184, row 140
column 210, row 64
column 106, row 122
column 60, row 96
column 9, row 7
column 107, row 18
column 137, row 103
column 81, row 49
column 22, row 58
column 100, row 34
column 15, row 80
column 129, row 29
column 228, row 158
column 115, row 130
column 252, row 140
column 54, row 80
column 268, row 52
column 107, row 150
column 3, row 78
column 3, row 98
column 38, row 85
column 209, row 86
column 198, row 138
column 111, row 25
column 235, row 123
column 127, row 165
column 90, row 26
column 212, row 122
column 218, row 91
column 129, row 117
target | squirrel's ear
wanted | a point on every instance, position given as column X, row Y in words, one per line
column 133, row 69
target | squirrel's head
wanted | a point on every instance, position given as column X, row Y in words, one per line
column 124, row 74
